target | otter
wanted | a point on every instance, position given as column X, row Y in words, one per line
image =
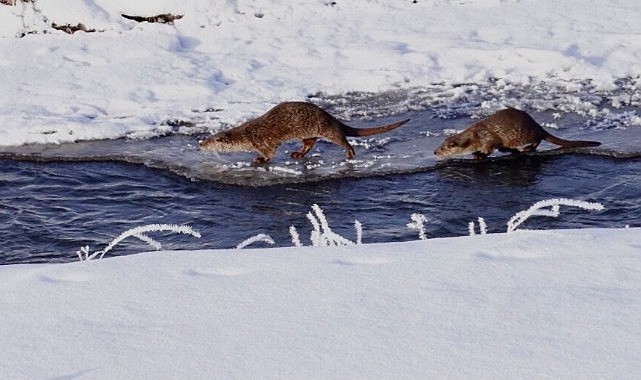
column 509, row 130
column 289, row 121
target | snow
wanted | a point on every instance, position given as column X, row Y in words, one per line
column 544, row 304
column 561, row 304
column 226, row 61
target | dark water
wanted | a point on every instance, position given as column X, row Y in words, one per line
column 55, row 199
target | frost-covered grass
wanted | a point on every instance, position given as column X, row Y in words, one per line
column 549, row 207
column 140, row 233
column 322, row 234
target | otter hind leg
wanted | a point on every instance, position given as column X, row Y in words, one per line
column 350, row 152
column 348, row 148
column 307, row 146
column 340, row 140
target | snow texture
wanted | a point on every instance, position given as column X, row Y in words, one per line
column 529, row 304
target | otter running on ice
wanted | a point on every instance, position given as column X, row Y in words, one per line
column 509, row 130
column 289, row 121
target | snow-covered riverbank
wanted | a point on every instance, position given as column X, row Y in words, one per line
column 225, row 61
column 560, row 304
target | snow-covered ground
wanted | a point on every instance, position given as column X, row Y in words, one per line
column 226, row 61
column 547, row 304
column 563, row 304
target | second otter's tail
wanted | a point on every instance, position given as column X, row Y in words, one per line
column 570, row 143
column 361, row 132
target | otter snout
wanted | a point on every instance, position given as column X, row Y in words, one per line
column 443, row 150
column 206, row 143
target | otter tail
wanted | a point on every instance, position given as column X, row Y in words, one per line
column 569, row 143
column 361, row 132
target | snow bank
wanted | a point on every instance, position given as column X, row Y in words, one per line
column 225, row 61
column 528, row 304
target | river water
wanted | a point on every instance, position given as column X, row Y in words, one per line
column 56, row 199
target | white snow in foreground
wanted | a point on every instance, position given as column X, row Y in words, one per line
column 243, row 57
column 530, row 304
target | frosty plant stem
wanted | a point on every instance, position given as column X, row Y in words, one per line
column 482, row 227
column 138, row 232
column 552, row 210
column 322, row 235
column 260, row 237
column 418, row 223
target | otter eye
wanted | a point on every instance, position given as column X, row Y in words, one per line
column 451, row 144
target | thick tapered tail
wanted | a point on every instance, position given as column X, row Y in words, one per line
column 570, row 143
column 360, row 132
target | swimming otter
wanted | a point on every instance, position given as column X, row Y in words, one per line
column 289, row 121
column 508, row 130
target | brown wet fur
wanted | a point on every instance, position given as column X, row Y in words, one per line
column 289, row 121
column 508, row 130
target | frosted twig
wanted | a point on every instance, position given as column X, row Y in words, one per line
column 331, row 238
column 260, row 237
column 315, row 236
column 482, row 227
column 321, row 217
column 322, row 235
column 295, row 237
column 149, row 241
column 83, row 253
column 538, row 209
column 138, row 232
column 470, row 228
column 418, row 223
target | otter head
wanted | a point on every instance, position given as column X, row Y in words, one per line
column 227, row 141
column 457, row 144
